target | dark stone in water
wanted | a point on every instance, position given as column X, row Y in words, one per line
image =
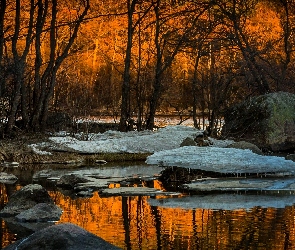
column 41, row 212
column 25, row 198
column 62, row 237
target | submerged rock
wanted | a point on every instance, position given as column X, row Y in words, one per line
column 41, row 212
column 268, row 121
column 62, row 236
column 25, row 198
column 24, row 229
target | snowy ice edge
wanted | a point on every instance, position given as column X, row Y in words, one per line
column 222, row 160
column 165, row 146
column 131, row 142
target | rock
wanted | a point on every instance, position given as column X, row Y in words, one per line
column 268, row 121
column 41, row 212
column 25, row 198
column 69, row 181
column 62, row 236
column 202, row 140
column 7, row 178
column 188, row 141
column 246, row 145
column 24, row 229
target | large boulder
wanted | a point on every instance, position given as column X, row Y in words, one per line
column 25, row 198
column 268, row 121
column 62, row 236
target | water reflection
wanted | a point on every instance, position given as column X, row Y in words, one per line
column 131, row 223
column 135, row 223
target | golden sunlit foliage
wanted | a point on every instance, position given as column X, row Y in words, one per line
column 192, row 57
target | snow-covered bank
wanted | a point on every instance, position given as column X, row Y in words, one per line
column 221, row 160
column 132, row 142
column 165, row 146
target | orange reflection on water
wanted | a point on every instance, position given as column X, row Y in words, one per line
column 110, row 217
column 131, row 223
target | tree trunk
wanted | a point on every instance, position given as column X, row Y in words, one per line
column 41, row 17
column 42, row 89
column 125, row 107
column 2, row 15
column 48, row 79
column 194, row 88
column 150, row 123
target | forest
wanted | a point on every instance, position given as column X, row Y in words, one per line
column 135, row 59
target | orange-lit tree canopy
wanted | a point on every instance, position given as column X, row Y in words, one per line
column 185, row 56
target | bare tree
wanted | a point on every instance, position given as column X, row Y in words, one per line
column 286, row 13
column 19, row 60
column 48, row 79
column 2, row 16
column 168, row 43
column 125, row 106
column 235, row 14
column 131, row 25
column 24, row 42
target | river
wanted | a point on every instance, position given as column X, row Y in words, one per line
column 135, row 223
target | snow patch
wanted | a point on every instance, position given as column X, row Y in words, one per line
column 169, row 137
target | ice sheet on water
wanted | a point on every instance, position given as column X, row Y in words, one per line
column 221, row 160
column 225, row 201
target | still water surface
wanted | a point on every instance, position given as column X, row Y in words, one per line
column 133, row 223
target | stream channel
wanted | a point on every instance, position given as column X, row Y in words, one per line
column 227, row 220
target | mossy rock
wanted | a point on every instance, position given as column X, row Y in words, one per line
column 268, row 121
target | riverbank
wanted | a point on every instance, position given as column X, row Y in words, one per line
column 19, row 150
